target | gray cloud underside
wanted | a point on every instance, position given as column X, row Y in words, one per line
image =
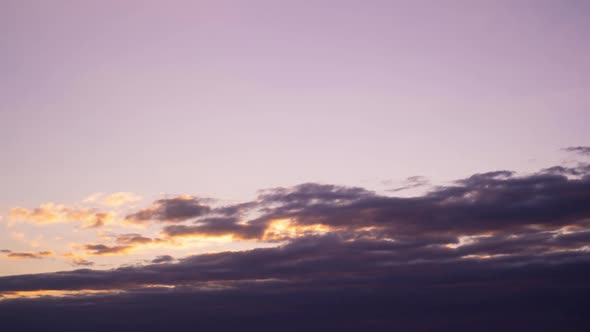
column 387, row 263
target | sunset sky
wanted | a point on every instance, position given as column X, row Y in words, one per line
column 201, row 153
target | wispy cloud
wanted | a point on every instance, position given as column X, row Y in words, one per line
column 51, row 213
column 582, row 150
column 113, row 200
column 30, row 255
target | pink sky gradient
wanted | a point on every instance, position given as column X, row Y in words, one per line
column 223, row 98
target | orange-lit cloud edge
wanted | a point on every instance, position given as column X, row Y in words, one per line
column 284, row 215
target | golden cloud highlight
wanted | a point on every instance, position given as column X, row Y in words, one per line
column 51, row 213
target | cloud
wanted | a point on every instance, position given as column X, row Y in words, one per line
column 163, row 259
column 5, row 251
column 133, row 239
column 101, row 249
column 330, row 257
column 411, row 183
column 214, row 227
column 81, row 262
column 30, row 255
column 583, row 150
column 547, row 298
column 93, row 198
column 54, row 213
column 119, row 199
column 171, row 210
column 576, row 171
column 488, row 203
column 471, row 249
column 120, row 245
column 77, row 260
column 493, row 202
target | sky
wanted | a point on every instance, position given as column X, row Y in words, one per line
column 191, row 139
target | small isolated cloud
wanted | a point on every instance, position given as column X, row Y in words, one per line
column 5, row 251
column 583, row 150
column 30, row 255
column 163, row 259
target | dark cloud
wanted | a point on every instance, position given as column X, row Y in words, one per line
column 163, row 259
column 583, row 150
column 217, row 227
column 493, row 251
column 176, row 209
column 579, row 170
column 101, row 249
column 312, row 194
column 494, row 202
column 332, row 257
column 484, row 203
column 458, row 302
column 343, row 281
column 5, row 251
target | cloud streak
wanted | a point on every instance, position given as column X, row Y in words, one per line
column 29, row 255
column 582, row 150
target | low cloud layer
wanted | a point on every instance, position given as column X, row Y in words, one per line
column 346, row 258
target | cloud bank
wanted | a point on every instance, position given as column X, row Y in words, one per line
column 493, row 251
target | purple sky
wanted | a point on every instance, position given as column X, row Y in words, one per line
column 223, row 98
